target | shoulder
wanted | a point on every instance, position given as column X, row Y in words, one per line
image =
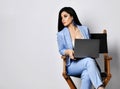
column 62, row 31
column 82, row 27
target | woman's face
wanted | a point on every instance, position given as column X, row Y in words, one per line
column 66, row 18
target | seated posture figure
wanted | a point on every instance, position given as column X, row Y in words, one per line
column 70, row 28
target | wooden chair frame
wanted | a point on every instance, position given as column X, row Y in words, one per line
column 106, row 78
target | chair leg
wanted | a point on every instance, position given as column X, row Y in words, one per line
column 69, row 81
column 106, row 80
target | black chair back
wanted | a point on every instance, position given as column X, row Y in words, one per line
column 103, row 41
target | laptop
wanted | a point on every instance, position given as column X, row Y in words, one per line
column 86, row 48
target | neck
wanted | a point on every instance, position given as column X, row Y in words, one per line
column 72, row 27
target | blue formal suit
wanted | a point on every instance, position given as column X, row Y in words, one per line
column 85, row 68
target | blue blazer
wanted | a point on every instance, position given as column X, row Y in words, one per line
column 65, row 42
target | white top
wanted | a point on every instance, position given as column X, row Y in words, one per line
column 73, row 41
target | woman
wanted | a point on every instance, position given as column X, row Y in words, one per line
column 69, row 29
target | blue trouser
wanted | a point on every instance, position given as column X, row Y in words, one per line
column 87, row 70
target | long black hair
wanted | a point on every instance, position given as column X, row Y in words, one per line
column 72, row 12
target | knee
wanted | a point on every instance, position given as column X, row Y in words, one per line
column 90, row 62
column 85, row 76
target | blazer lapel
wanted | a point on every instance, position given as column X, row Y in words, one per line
column 68, row 39
column 82, row 31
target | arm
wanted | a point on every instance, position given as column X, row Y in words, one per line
column 62, row 46
column 60, row 41
column 87, row 33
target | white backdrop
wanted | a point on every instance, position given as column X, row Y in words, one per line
column 29, row 57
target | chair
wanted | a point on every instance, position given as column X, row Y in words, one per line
column 106, row 75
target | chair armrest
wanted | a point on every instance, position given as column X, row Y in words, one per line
column 107, row 57
column 64, row 65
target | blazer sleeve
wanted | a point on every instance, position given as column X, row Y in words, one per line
column 87, row 32
column 61, row 43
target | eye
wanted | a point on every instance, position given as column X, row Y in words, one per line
column 65, row 15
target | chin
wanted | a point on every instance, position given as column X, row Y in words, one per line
column 65, row 25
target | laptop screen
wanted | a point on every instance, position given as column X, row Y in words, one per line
column 86, row 48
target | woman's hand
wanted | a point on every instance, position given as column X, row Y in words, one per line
column 70, row 53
